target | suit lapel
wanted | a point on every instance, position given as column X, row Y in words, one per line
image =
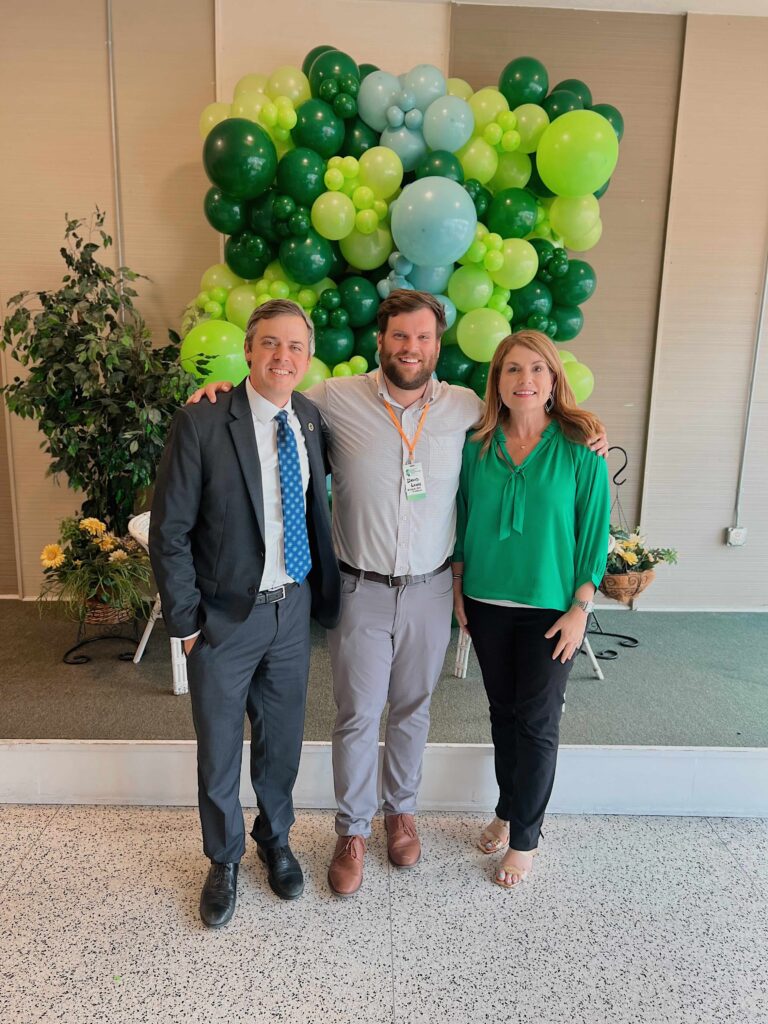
column 244, row 438
column 309, row 418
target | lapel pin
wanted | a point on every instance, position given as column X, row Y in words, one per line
column 311, row 426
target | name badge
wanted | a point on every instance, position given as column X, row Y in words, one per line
column 415, row 484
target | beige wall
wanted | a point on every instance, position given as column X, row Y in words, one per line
column 713, row 275
column 55, row 122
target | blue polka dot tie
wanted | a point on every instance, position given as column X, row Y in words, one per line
column 298, row 561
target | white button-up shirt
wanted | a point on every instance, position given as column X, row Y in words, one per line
column 375, row 527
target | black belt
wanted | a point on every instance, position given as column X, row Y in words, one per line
column 273, row 596
column 392, row 581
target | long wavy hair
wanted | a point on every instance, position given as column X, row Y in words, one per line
column 576, row 423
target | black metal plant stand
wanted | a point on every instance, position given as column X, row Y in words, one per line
column 70, row 658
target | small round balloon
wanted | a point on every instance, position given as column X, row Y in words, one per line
column 333, row 215
column 576, row 286
column 307, row 260
column 318, row 128
column 247, row 254
column 520, row 263
column 300, row 175
column 219, row 276
column 569, row 320
column 240, row 158
column 360, row 299
column 224, row 213
column 240, row 303
column 366, row 252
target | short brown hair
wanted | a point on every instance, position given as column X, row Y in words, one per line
column 278, row 307
column 406, row 300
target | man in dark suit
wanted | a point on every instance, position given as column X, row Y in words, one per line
column 241, row 547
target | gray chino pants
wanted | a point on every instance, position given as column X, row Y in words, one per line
column 389, row 646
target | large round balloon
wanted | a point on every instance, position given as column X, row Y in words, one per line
column 479, row 160
column 366, row 343
column 312, row 56
column 408, row 144
column 576, row 286
column 569, row 321
column 212, row 115
column 424, row 83
column 334, row 344
column 431, row 279
column 574, row 216
column 512, row 213
column 222, row 343
column 240, row 158
column 523, row 80
column 448, row 123
column 247, row 254
column 478, row 380
column 381, row 170
column 224, row 213
column 433, row 222
column 308, row 259
column 333, row 215
column 470, row 287
column 480, row 332
column 378, row 92
column 331, row 64
column 454, row 365
column 577, row 153
column 300, row 175
column 360, row 299
column 535, row 297
column 318, row 128
column 288, row 81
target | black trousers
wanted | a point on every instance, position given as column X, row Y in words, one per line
column 260, row 669
column 526, row 690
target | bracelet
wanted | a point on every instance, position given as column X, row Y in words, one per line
column 458, row 575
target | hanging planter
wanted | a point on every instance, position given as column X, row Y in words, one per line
column 629, row 569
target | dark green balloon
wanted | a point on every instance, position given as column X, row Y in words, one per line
column 612, row 116
column 261, row 218
column 512, row 213
column 523, row 80
column 602, row 190
column 307, row 260
column 360, row 299
column 561, row 102
column 441, row 164
column 367, row 69
column 331, row 64
column 318, row 128
column 247, row 255
column 358, row 137
column 576, row 286
column 576, row 85
column 533, row 298
column 569, row 320
column 240, row 158
column 535, row 184
column 453, row 365
column 224, row 213
column 300, row 175
column 334, row 345
column 312, row 56
column 366, row 344
column 479, row 378
column 544, row 250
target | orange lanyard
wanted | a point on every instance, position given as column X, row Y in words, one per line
column 410, row 445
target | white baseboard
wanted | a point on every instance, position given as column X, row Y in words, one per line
column 720, row 781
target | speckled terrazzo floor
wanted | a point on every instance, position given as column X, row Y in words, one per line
column 624, row 921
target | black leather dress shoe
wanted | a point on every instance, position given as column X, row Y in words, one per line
column 283, row 871
column 217, row 902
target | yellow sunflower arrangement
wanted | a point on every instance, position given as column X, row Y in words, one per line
column 90, row 564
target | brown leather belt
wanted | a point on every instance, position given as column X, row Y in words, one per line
column 392, row 581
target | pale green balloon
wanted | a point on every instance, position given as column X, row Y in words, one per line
column 240, row 303
column 291, row 82
column 577, row 153
column 582, row 243
column 566, row 356
column 532, row 122
column 316, row 372
column 458, row 87
column 574, row 216
column 381, row 170
column 333, row 215
column 219, row 276
column 212, row 115
column 520, row 264
column 469, row 288
column 366, row 252
column 486, row 105
column 513, row 171
column 478, row 160
column 480, row 332
column 581, row 379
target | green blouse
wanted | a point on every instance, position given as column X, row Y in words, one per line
column 536, row 532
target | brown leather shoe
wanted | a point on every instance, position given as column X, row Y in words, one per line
column 345, row 875
column 403, row 844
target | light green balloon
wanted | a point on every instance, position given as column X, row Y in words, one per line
column 241, row 302
column 486, row 105
column 566, row 356
column 532, row 121
column 333, row 215
column 581, row 379
column 316, row 372
column 223, row 343
column 520, row 265
column 343, row 370
column 358, row 364
column 478, row 160
column 574, row 216
column 514, row 171
column 480, row 332
column 582, row 243
column 577, row 153
column 470, row 287
column 219, row 276
column 366, row 252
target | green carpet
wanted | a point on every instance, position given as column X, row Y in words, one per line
column 696, row 679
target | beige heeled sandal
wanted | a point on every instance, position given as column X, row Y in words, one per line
column 501, row 873
column 494, row 840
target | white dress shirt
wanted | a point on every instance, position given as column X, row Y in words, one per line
column 375, row 527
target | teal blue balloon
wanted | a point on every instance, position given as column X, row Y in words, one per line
column 409, row 145
column 240, row 158
column 425, row 83
column 378, row 92
column 449, row 307
column 448, row 123
column 307, row 260
column 433, row 222
column 431, row 279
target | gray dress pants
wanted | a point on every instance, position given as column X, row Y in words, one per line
column 389, row 646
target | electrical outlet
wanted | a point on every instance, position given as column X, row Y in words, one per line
column 735, row 536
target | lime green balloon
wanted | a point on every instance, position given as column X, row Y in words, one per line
column 532, row 121
column 574, row 216
column 581, row 243
column 219, row 276
column 358, row 364
column 288, row 81
column 577, row 153
column 248, row 104
column 458, row 87
column 381, row 170
column 480, row 332
column 513, row 171
column 250, row 83
column 520, row 264
column 580, row 378
column 316, row 372
column 333, row 215
column 240, row 303
column 367, row 252
column 479, row 160
column 486, row 105
column 343, row 370
column 566, row 356
column 469, row 288
column 212, row 115
column 223, row 343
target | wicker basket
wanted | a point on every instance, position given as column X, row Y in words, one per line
column 98, row 614
column 625, row 587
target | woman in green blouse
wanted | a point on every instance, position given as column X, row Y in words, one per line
column 531, row 548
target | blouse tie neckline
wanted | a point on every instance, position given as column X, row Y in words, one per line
column 512, row 517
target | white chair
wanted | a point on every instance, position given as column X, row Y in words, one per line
column 138, row 527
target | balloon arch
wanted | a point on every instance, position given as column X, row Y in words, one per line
column 337, row 182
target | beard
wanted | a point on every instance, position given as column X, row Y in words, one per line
column 394, row 372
